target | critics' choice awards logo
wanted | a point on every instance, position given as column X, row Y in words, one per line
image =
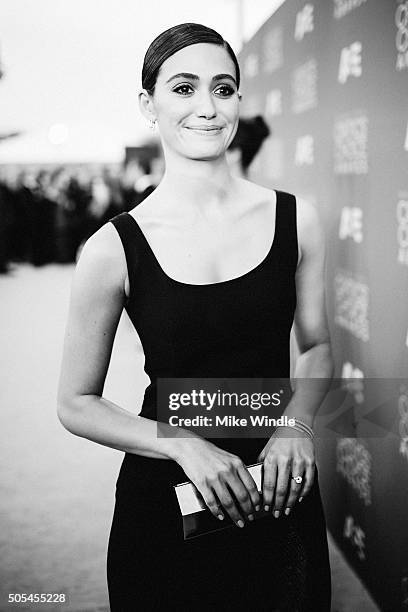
column 342, row 7
column 353, row 381
column 401, row 37
column 354, row 463
column 351, row 224
column 350, row 62
column 402, row 231
column 251, row 65
column 273, row 103
column 304, row 87
column 304, row 151
column 350, row 145
column 304, row 22
column 272, row 48
column 353, row 532
column 403, row 423
column 351, row 305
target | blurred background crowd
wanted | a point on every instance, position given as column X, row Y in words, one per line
column 47, row 213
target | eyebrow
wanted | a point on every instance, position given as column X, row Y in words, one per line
column 195, row 77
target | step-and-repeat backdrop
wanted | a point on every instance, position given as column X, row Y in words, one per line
column 331, row 79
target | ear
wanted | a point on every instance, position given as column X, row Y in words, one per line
column 146, row 105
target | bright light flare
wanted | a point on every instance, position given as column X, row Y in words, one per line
column 58, row 133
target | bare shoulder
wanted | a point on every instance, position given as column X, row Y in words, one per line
column 309, row 229
column 254, row 191
column 102, row 259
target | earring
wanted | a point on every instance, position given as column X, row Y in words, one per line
column 239, row 95
column 152, row 123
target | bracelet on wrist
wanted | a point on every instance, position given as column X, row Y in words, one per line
column 301, row 426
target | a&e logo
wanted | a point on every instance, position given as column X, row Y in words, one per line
column 353, row 381
column 351, row 224
column 304, row 22
column 350, row 62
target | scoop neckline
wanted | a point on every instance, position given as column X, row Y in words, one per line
column 218, row 283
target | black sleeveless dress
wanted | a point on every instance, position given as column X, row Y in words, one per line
column 235, row 328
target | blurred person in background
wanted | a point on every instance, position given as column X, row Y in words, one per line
column 65, row 217
column 132, row 182
column 147, row 183
column 246, row 144
column 20, row 232
column 44, row 210
column 213, row 271
column 7, row 221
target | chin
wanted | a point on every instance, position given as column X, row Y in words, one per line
column 206, row 156
column 204, row 153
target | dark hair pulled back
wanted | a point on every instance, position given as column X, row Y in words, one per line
column 174, row 39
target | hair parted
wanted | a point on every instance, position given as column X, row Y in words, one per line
column 174, row 39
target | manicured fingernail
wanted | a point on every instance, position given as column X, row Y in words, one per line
column 240, row 523
column 287, row 511
column 266, row 508
column 257, row 508
column 300, row 499
column 250, row 517
column 276, row 513
column 221, row 517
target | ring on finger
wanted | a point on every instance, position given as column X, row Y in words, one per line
column 298, row 479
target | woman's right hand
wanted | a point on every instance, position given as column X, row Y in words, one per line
column 220, row 476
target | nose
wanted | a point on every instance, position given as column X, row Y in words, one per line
column 205, row 106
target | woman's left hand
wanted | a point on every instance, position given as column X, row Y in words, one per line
column 285, row 456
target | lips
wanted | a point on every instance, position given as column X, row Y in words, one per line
column 204, row 128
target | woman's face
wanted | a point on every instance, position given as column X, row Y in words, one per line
column 195, row 102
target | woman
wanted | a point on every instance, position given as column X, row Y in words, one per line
column 210, row 296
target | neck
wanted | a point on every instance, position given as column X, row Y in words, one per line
column 197, row 186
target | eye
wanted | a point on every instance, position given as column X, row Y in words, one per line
column 184, row 89
column 225, row 91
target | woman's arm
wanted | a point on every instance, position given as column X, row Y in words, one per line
column 314, row 366
column 286, row 455
column 97, row 299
